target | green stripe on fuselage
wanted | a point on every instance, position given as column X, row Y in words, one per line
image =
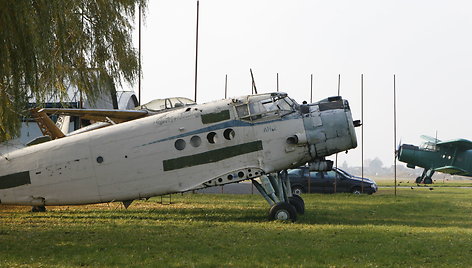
column 212, row 156
column 15, row 180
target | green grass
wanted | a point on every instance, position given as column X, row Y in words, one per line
column 418, row 228
column 436, row 183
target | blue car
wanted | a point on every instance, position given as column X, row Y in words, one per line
column 334, row 181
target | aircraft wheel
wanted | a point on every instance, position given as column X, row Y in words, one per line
column 428, row 180
column 38, row 209
column 418, row 180
column 283, row 211
column 298, row 203
column 297, row 190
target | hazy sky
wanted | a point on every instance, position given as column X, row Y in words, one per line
column 427, row 44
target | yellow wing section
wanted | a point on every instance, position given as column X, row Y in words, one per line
column 104, row 115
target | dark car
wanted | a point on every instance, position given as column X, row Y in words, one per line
column 324, row 182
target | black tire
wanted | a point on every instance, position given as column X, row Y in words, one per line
column 300, row 198
column 38, row 209
column 297, row 202
column 282, row 211
column 297, row 190
column 418, row 180
column 428, row 180
column 356, row 190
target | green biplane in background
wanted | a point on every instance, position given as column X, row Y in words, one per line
column 452, row 157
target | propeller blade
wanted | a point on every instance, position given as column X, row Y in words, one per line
column 397, row 151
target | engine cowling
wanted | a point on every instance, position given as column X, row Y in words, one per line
column 329, row 127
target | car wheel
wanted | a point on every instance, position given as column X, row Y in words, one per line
column 282, row 211
column 428, row 180
column 418, row 180
column 356, row 190
column 298, row 203
column 297, row 190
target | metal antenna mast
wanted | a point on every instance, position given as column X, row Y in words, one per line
column 277, row 82
column 226, row 86
column 254, row 89
column 311, row 89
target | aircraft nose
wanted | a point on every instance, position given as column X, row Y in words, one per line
column 406, row 152
column 329, row 126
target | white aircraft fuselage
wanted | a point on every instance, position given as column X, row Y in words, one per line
column 177, row 150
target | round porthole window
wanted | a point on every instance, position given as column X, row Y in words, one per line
column 229, row 134
column 180, row 144
column 195, row 141
column 99, row 159
column 211, row 137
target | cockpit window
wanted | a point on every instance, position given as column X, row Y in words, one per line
column 266, row 106
column 429, row 146
column 242, row 110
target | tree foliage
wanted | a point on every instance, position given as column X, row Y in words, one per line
column 46, row 46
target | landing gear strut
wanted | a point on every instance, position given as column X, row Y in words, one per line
column 275, row 188
column 425, row 177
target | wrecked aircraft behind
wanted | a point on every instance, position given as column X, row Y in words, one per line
column 182, row 149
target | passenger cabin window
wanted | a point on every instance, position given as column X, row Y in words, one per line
column 266, row 107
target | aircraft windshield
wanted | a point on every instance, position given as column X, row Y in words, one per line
column 266, row 106
column 428, row 146
column 163, row 104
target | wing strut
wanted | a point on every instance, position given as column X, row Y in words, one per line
column 46, row 125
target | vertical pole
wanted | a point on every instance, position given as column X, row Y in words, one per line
column 395, row 132
column 81, row 99
column 336, row 163
column 226, row 86
column 311, row 101
column 362, row 132
column 339, row 84
column 277, row 82
column 252, row 83
column 196, row 51
column 139, row 54
column 311, row 89
column 254, row 88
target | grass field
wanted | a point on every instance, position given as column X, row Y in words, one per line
column 418, row 228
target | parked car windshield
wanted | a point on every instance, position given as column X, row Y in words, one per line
column 296, row 172
column 344, row 173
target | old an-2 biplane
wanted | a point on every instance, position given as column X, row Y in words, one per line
column 452, row 157
column 136, row 154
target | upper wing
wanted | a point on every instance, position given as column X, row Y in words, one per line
column 116, row 116
column 453, row 170
column 429, row 139
column 460, row 144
